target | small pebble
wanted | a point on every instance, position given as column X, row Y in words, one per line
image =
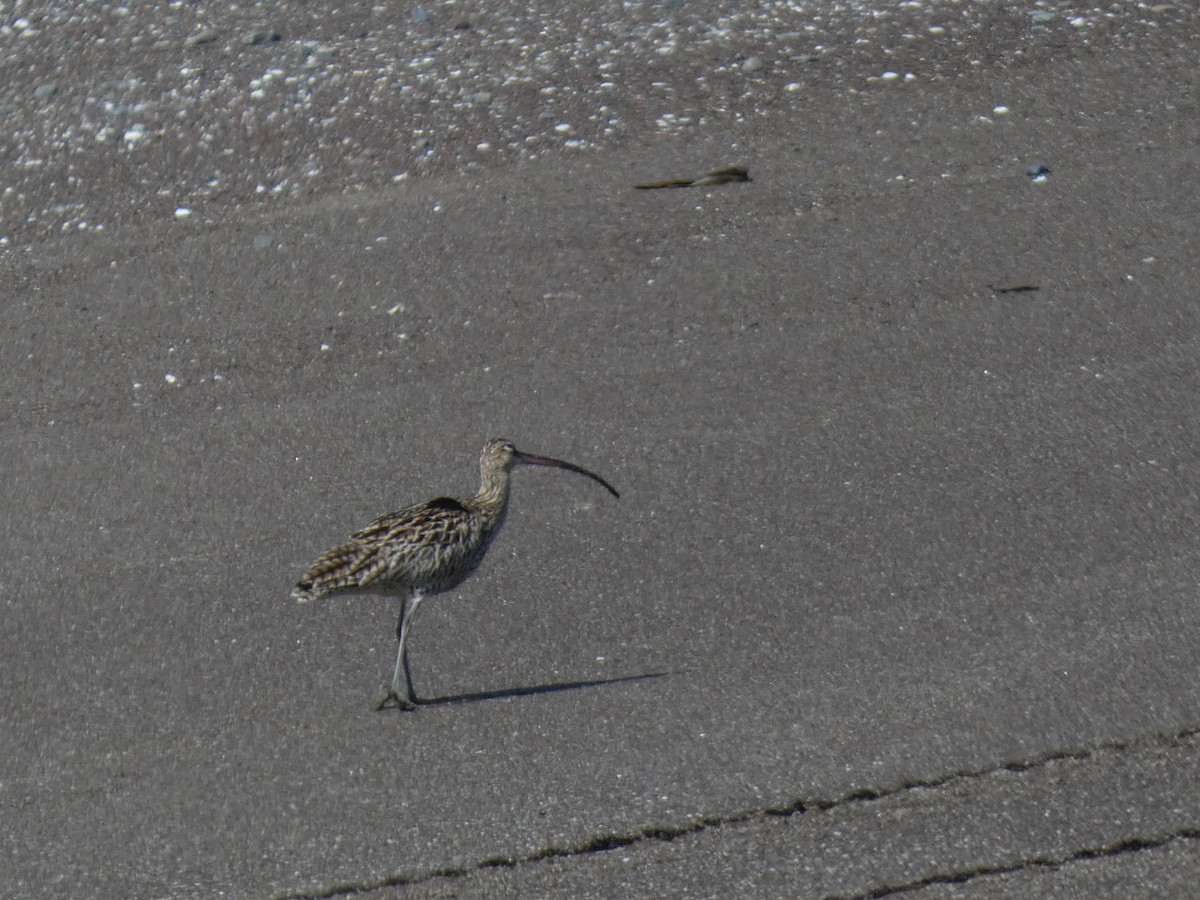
column 182, row 212
column 1037, row 170
column 45, row 91
column 203, row 36
column 752, row 64
column 262, row 36
column 263, row 241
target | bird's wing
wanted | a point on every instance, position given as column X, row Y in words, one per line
column 439, row 521
column 349, row 565
column 387, row 546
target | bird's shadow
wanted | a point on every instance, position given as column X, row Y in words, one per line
column 533, row 690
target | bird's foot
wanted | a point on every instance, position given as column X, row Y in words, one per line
column 402, row 703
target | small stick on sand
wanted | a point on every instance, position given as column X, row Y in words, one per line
column 717, row 176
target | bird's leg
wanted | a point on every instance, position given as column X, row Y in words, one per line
column 410, row 613
column 402, row 653
column 408, row 699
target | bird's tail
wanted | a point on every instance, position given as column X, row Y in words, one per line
column 304, row 592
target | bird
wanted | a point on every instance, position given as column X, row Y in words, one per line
column 425, row 549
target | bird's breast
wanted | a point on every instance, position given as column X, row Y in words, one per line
column 442, row 565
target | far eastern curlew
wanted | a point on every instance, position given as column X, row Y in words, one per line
column 425, row 549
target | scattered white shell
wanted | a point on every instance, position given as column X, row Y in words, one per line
column 420, row 71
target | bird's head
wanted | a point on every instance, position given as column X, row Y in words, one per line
column 499, row 455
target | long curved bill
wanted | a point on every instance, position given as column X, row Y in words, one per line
column 529, row 459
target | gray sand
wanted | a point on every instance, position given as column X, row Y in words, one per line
column 900, row 593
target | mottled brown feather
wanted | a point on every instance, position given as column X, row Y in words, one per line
column 432, row 546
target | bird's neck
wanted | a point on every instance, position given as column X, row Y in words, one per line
column 492, row 499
